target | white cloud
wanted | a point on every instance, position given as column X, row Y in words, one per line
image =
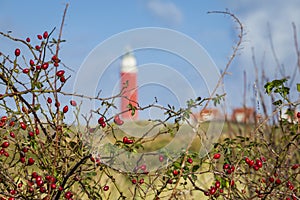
column 263, row 17
column 259, row 19
column 166, row 11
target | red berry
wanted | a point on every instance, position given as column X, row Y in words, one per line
column 68, row 195
column 13, row 192
column 190, row 160
column 259, row 163
column 6, row 154
column 278, row 181
column 45, row 65
column 175, row 172
column 56, row 64
column 53, row 186
column 26, row 71
column 232, row 168
column 161, row 158
column 232, row 183
column 28, row 39
column 57, row 104
column 251, row 163
column 49, row 100
column 22, row 160
column 17, row 52
column 52, row 179
column 206, row 193
column 60, row 73
column 143, row 167
column 103, row 125
column 73, row 103
column 65, row 109
column 125, row 140
column 30, row 161
column 226, row 166
column 5, row 144
column 298, row 114
column 12, row 134
column 42, row 189
column 105, row 188
column 23, row 125
column 263, row 159
column 20, row 185
column 271, row 179
column 256, row 167
column 45, row 35
column 133, row 181
column 129, row 141
column 3, row 118
column 54, row 58
column 47, row 177
column 34, row 175
column 217, row 184
column 31, row 134
column 62, row 79
column 217, row 156
column 212, row 190
column 295, row 166
column 37, row 47
column 37, row 131
column 141, row 181
column 247, row 160
column 39, row 37
column 31, row 62
column 100, row 120
column 25, row 149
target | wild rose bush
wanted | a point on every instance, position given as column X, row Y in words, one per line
column 44, row 156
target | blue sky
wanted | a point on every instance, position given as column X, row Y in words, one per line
column 88, row 23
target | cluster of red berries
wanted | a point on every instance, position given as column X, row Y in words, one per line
column 35, row 66
column 56, row 60
column 228, row 168
column 134, row 181
column 31, row 134
column 101, row 121
column 65, row 108
column 4, row 145
column 3, row 121
column 256, row 165
column 214, row 190
column 60, row 75
column 40, row 183
column 69, row 195
column 126, row 140
column 95, row 160
column 30, row 160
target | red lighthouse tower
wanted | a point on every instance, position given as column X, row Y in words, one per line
column 129, row 85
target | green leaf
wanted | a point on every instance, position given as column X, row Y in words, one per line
column 194, row 177
column 298, row 87
column 195, row 168
column 277, row 103
column 176, row 165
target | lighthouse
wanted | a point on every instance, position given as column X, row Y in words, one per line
column 129, row 86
